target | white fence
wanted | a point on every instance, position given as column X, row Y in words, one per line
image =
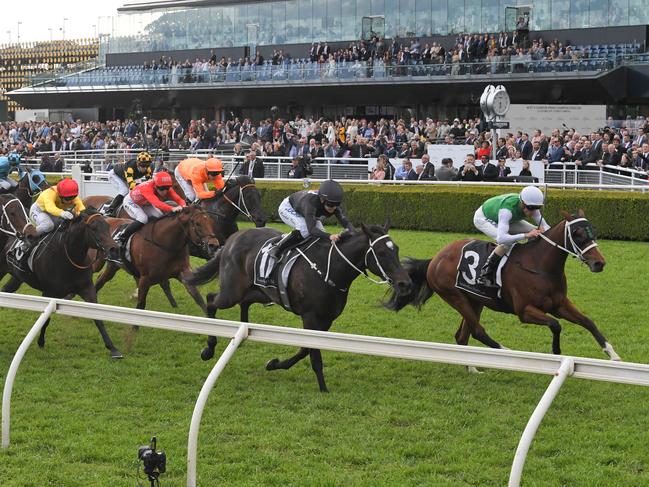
column 561, row 367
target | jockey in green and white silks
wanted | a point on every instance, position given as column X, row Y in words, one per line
column 9, row 164
column 503, row 219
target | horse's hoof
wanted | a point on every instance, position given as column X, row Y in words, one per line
column 473, row 370
column 272, row 364
column 135, row 328
column 116, row 354
column 207, row 353
column 616, row 359
column 41, row 343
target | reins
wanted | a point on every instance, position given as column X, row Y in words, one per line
column 242, row 201
column 567, row 238
column 333, row 246
column 5, row 217
column 186, row 232
column 65, row 247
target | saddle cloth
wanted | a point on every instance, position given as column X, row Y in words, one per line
column 273, row 274
column 472, row 257
column 21, row 260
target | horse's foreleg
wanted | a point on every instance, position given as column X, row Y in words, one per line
column 276, row 363
column 568, row 311
column 166, row 287
column 253, row 296
column 89, row 295
column 108, row 273
column 316, row 365
column 532, row 314
column 143, row 286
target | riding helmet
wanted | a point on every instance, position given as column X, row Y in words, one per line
column 331, row 191
column 213, row 165
column 144, row 158
column 67, row 188
column 14, row 158
column 162, row 178
column 532, row 196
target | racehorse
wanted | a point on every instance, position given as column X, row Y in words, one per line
column 533, row 283
column 318, row 285
column 31, row 183
column 160, row 250
column 61, row 267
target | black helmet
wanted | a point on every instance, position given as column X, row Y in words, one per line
column 331, row 191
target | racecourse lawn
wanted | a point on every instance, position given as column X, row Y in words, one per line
column 78, row 417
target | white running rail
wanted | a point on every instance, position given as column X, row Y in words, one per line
column 538, row 363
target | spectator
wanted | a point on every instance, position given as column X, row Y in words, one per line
column 469, row 171
column 525, row 170
column 297, row 169
column 428, row 168
column 253, row 167
column 405, row 172
column 378, row 173
column 447, row 172
column 485, row 150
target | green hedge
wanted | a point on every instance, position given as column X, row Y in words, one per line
column 615, row 214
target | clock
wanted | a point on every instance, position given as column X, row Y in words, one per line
column 500, row 101
column 484, row 103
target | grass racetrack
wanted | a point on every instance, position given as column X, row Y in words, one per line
column 78, row 417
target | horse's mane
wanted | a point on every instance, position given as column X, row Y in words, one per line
column 373, row 229
column 242, row 180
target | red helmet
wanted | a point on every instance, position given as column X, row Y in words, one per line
column 67, row 188
column 162, row 178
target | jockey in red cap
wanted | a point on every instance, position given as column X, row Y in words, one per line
column 148, row 200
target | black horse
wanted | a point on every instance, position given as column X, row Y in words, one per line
column 14, row 221
column 61, row 266
column 318, row 294
column 240, row 197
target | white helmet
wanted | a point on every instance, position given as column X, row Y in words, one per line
column 532, row 196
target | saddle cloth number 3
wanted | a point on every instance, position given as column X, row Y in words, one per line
column 472, row 259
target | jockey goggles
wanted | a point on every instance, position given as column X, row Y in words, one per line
column 163, row 188
column 214, row 174
column 533, row 207
column 331, row 204
column 67, row 198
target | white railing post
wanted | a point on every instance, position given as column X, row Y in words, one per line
column 192, row 444
column 566, row 369
column 13, row 370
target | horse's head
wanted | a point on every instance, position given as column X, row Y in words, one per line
column 201, row 228
column 13, row 218
column 242, row 193
column 97, row 232
column 382, row 258
column 33, row 181
column 581, row 236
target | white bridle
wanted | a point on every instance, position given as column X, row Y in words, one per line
column 568, row 239
column 5, row 218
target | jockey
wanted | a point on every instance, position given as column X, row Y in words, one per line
column 9, row 164
column 305, row 211
column 148, row 200
column 194, row 174
column 500, row 215
column 60, row 202
column 124, row 177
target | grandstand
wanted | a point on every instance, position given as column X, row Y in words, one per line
column 365, row 58
column 33, row 62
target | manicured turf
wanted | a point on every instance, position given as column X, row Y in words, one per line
column 78, row 417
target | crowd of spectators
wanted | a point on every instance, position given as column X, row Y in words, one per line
column 378, row 57
column 346, row 140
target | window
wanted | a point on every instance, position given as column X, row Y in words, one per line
column 439, row 12
column 490, row 16
column 560, row 14
column 348, row 14
column 618, row 12
column 423, row 21
column 598, row 13
column 638, row 12
column 456, row 18
column 305, row 21
column 407, row 16
column 278, row 25
column 578, row 14
column 540, row 15
column 333, row 20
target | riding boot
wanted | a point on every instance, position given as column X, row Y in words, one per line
column 112, row 209
column 287, row 240
column 122, row 238
column 487, row 275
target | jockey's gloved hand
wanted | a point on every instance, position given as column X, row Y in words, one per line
column 67, row 215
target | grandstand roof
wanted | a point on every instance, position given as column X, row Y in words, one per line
column 139, row 5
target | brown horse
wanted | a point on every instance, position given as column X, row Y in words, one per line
column 160, row 251
column 533, row 283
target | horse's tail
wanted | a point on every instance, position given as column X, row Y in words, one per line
column 420, row 292
column 206, row 272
